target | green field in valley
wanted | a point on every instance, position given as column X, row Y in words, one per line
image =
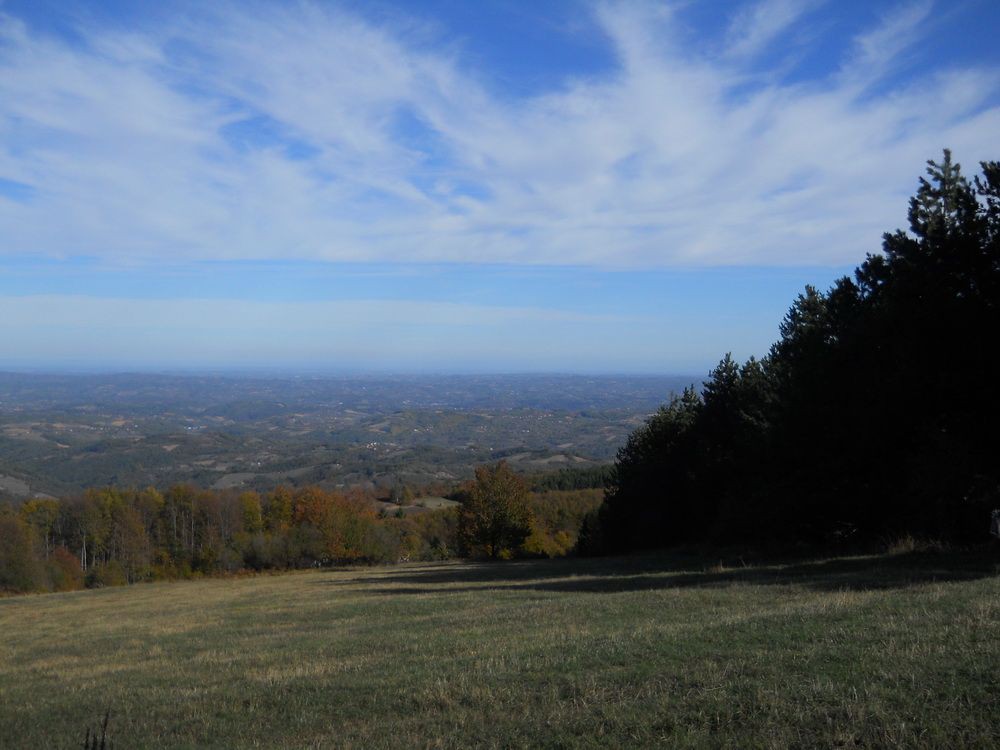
column 884, row 651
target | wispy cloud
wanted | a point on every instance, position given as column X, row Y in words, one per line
column 877, row 50
column 271, row 131
column 756, row 27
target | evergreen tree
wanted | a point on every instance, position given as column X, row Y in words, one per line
column 647, row 497
column 873, row 414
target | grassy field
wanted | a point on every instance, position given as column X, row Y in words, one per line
column 899, row 651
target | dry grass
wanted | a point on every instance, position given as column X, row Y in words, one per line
column 909, row 544
column 898, row 651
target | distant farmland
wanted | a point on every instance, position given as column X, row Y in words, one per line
column 873, row 652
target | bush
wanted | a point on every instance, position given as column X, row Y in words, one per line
column 106, row 574
column 908, row 544
column 64, row 570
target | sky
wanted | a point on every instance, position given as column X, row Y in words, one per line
column 448, row 186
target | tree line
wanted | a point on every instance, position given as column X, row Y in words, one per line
column 113, row 536
column 116, row 536
column 875, row 414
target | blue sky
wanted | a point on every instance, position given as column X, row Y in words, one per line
column 452, row 186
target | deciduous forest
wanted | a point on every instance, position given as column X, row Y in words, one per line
column 114, row 536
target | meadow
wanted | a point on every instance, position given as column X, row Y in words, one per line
column 876, row 651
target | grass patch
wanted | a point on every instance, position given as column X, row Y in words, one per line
column 436, row 503
column 898, row 650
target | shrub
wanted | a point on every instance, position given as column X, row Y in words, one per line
column 106, row 574
column 65, row 571
column 908, row 544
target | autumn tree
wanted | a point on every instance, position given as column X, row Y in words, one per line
column 250, row 510
column 19, row 569
column 495, row 517
column 41, row 514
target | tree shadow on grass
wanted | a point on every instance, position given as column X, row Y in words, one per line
column 645, row 573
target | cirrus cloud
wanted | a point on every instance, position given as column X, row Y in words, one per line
column 310, row 132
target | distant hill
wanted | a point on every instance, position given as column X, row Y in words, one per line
column 62, row 433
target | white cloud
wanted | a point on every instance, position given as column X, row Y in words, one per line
column 878, row 49
column 301, row 132
column 756, row 27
